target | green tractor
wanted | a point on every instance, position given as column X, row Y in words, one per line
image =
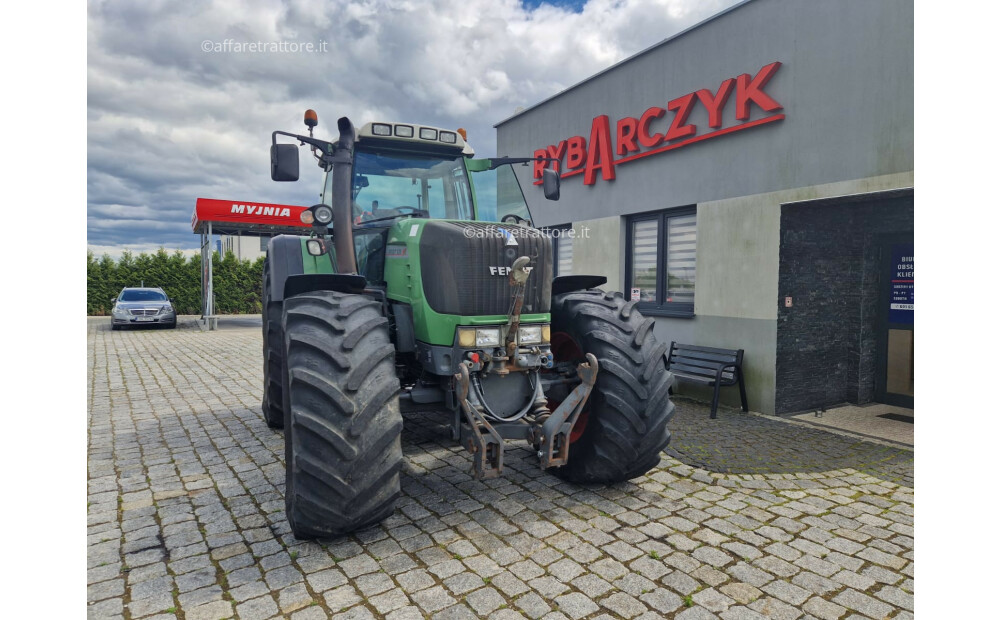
column 424, row 287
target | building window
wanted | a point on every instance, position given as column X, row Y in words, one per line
column 660, row 261
column 562, row 246
column 263, row 243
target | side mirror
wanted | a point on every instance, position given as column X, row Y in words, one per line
column 284, row 162
column 550, row 184
column 114, row 299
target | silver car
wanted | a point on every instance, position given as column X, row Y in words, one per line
column 142, row 306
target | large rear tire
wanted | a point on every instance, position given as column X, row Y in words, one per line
column 274, row 355
column 342, row 420
column 624, row 428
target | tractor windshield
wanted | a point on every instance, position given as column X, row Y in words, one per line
column 498, row 194
column 389, row 184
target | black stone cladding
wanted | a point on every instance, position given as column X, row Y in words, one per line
column 455, row 262
column 829, row 265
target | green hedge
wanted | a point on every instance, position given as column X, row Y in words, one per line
column 237, row 283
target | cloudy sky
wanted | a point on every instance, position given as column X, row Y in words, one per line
column 169, row 122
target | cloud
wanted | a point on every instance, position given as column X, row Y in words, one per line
column 169, row 122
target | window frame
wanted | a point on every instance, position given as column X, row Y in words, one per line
column 675, row 309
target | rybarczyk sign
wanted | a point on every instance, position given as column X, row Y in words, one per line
column 633, row 138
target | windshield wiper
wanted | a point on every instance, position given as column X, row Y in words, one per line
column 417, row 213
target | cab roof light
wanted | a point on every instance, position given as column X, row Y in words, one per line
column 404, row 131
column 461, row 132
column 428, row 134
column 449, row 137
column 381, row 129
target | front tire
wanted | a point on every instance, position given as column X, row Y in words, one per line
column 625, row 427
column 274, row 356
column 342, row 419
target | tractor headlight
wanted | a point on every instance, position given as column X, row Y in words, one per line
column 488, row 337
column 530, row 335
column 323, row 214
column 469, row 337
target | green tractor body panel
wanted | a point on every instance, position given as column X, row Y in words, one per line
column 324, row 263
column 405, row 283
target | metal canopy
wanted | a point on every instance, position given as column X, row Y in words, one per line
column 237, row 217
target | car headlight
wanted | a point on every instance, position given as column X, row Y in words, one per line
column 531, row 334
column 166, row 309
column 119, row 311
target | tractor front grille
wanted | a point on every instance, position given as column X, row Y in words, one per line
column 462, row 266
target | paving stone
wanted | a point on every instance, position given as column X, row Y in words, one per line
column 778, row 524
column 389, row 601
column 623, row 604
column 852, row 599
column 217, row 610
column 257, row 609
column 785, row 591
column 895, row 597
column 741, row 593
column 433, row 599
column 680, row 582
column 823, row 609
column 533, row 605
column 485, row 600
column 696, row 613
column 341, row 598
column 294, row 597
column 713, row 600
column 773, row 608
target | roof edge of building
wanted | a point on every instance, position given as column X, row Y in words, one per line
column 625, row 60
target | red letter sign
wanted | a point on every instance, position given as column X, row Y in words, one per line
column 748, row 90
column 648, row 117
column 714, row 104
column 540, row 165
column 626, row 135
column 599, row 155
column 677, row 128
column 576, row 152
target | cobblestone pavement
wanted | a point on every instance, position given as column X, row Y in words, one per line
column 186, row 514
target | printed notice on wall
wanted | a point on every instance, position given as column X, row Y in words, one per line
column 901, row 285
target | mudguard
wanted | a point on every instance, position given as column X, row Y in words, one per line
column 565, row 284
column 339, row 282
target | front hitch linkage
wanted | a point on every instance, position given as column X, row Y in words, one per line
column 486, row 444
column 554, row 441
column 552, row 437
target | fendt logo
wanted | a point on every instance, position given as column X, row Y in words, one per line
column 261, row 210
column 635, row 139
column 505, row 271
